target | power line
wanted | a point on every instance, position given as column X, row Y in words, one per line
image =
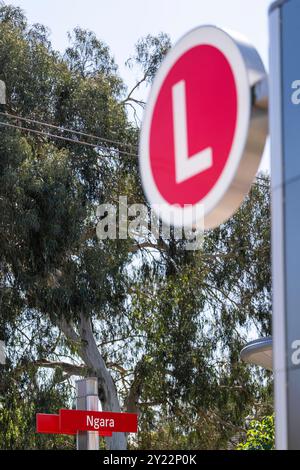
column 66, row 129
column 68, row 139
column 45, row 133
column 55, row 136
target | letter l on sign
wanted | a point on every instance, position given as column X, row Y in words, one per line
column 185, row 166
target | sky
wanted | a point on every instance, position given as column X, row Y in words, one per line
column 120, row 23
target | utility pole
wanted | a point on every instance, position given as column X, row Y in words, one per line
column 87, row 399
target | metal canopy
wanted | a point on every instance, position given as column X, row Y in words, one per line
column 259, row 352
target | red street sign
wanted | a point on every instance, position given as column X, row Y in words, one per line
column 77, row 420
column 195, row 129
column 73, row 421
column 48, row 424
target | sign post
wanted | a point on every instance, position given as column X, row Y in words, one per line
column 2, row 352
column 87, row 399
column 2, row 92
column 285, row 145
column 69, row 422
column 86, row 422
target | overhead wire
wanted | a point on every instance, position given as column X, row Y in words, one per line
column 65, row 129
column 76, row 132
column 67, row 139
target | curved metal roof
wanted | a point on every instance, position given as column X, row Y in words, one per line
column 259, row 352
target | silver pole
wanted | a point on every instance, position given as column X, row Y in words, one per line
column 2, row 92
column 87, row 399
column 278, row 263
column 2, row 352
column 285, row 142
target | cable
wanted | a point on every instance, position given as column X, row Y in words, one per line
column 62, row 129
column 48, row 134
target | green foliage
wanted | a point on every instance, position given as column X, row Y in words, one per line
column 19, row 403
column 260, row 435
column 149, row 52
column 169, row 323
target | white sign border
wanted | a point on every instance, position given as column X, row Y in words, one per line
column 203, row 35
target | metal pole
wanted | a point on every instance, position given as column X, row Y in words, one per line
column 2, row 352
column 285, row 143
column 87, row 399
column 2, row 92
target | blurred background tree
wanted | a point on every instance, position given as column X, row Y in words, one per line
column 260, row 435
column 160, row 326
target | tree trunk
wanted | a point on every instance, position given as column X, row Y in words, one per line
column 91, row 356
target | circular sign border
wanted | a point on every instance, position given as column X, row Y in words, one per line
column 202, row 35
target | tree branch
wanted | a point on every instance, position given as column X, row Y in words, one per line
column 71, row 369
column 68, row 330
column 132, row 399
column 134, row 88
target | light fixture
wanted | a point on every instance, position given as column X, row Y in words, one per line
column 259, row 352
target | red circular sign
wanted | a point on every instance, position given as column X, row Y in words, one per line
column 200, row 68
column 195, row 128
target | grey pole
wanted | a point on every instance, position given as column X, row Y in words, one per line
column 87, row 399
column 2, row 352
column 2, row 92
column 285, row 144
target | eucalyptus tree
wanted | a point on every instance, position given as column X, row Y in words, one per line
column 160, row 326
